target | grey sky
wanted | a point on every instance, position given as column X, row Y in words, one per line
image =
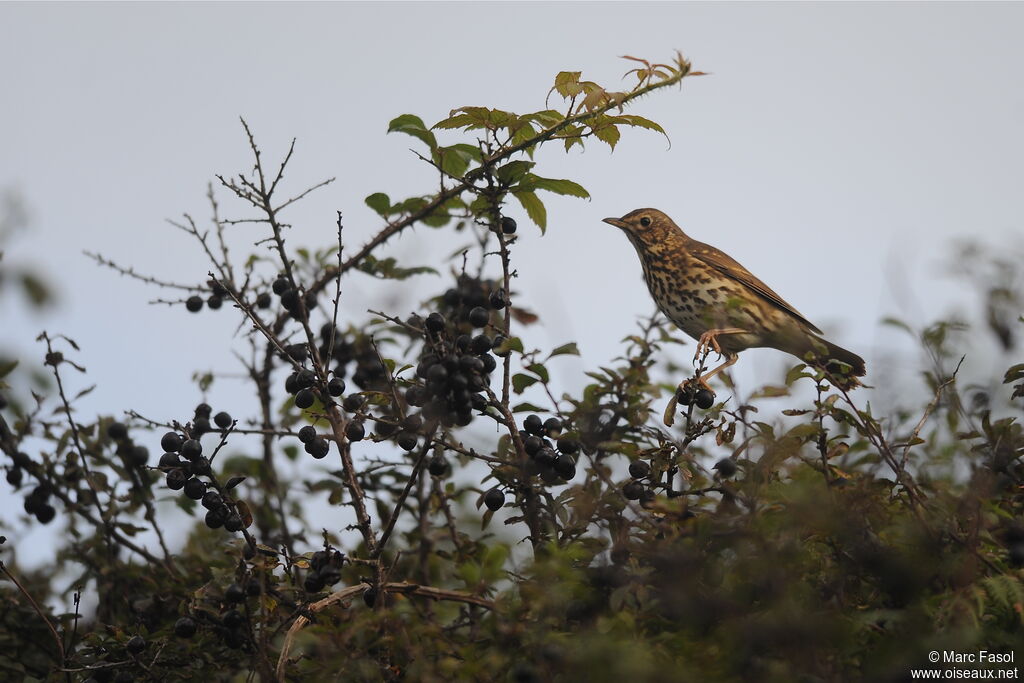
column 834, row 145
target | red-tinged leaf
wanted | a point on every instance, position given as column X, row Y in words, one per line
column 567, row 84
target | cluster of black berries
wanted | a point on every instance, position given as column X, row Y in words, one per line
column 635, row 489
column 133, row 454
column 470, row 302
column 37, row 503
column 297, row 304
column 194, row 303
column 324, row 570
column 232, row 619
column 183, row 462
column 313, row 443
column 552, row 466
column 455, row 371
column 201, row 421
column 701, row 397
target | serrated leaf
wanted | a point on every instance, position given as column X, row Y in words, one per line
column 567, row 83
column 534, row 208
column 379, row 202
column 410, row 124
column 513, row 171
column 558, row 186
column 608, row 134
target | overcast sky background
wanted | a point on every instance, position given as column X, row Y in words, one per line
column 836, row 151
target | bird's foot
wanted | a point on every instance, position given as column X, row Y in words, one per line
column 709, row 340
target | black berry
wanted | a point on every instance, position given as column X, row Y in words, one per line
column 195, row 489
column 214, row 302
column 222, row 420
column 304, row 399
column 307, row 434
column 194, row 304
column 171, row 442
column 638, row 469
column 407, row 441
column 494, row 499
column 355, row 431
column 633, row 490
column 135, row 645
column 437, row 466
column 704, row 399
column 280, row 285
column 263, row 300
column 234, row 593
column 533, row 425
column 435, row 322
column 336, row 387
column 185, row 627
column 233, row 522
column 191, row 449
column 117, row 431
column 176, row 479
column 318, row 447
column 479, row 316
column 497, row 299
column 508, row 225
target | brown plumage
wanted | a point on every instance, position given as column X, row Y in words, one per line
column 715, row 300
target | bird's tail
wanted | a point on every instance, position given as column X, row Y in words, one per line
column 842, row 367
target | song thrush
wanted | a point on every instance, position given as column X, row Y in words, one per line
column 715, row 300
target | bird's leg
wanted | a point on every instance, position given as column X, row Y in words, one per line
column 730, row 359
column 709, row 340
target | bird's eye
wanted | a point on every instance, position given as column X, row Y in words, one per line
column 645, row 221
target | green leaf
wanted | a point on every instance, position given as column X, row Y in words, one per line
column 569, row 349
column 639, row 122
column 388, row 268
column 534, row 208
column 510, row 344
column 546, row 118
column 539, row 370
column 562, row 186
column 512, row 172
column 608, row 134
column 1012, row 375
column 520, row 381
column 379, row 202
column 411, row 124
column 527, row 408
column 6, row 367
column 456, row 159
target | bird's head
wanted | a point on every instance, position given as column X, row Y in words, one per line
column 646, row 227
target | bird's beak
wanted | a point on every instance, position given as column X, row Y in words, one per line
column 618, row 223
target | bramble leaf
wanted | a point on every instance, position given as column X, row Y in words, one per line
column 410, row 124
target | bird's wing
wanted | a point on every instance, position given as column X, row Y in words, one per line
column 731, row 268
